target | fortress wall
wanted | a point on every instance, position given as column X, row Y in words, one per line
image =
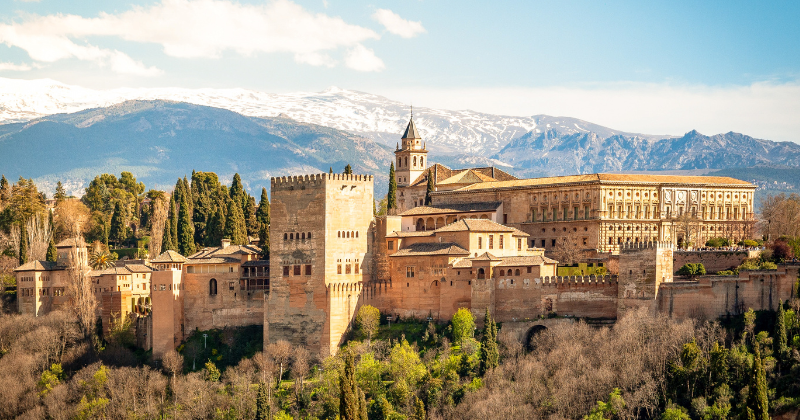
column 228, row 308
column 713, row 296
column 713, row 261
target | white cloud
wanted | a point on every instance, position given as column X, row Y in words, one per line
column 188, row 29
column 362, row 58
column 764, row 110
column 397, row 25
column 14, row 67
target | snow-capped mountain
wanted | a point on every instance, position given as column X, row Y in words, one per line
column 372, row 116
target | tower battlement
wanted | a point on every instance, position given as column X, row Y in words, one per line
column 635, row 246
column 591, row 280
column 314, row 180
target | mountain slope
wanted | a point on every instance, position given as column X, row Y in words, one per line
column 160, row 141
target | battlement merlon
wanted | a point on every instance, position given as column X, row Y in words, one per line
column 635, row 246
column 312, row 180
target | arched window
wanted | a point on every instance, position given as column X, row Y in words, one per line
column 406, row 160
column 303, row 236
column 291, row 236
column 415, row 161
column 516, row 272
column 348, row 234
column 309, row 235
column 481, row 273
column 285, row 236
column 356, row 234
column 420, row 162
column 399, row 161
column 339, row 234
column 502, row 273
column 212, row 287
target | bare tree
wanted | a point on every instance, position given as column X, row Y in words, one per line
column 71, row 219
column 281, row 353
column 160, row 207
column 568, row 251
column 687, row 225
column 80, row 291
column 39, row 233
column 300, row 368
column 780, row 215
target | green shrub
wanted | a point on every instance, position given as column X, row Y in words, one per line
column 692, row 270
column 718, row 242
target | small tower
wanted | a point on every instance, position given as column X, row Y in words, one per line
column 411, row 157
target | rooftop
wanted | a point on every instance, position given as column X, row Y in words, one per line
column 479, row 225
column 169, row 257
column 453, row 208
column 431, row 248
column 39, row 266
column 228, row 250
column 610, row 178
column 524, row 261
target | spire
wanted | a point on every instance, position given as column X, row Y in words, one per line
column 411, row 130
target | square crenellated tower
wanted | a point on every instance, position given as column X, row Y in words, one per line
column 643, row 266
column 319, row 257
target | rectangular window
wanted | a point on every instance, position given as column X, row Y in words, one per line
column 338, row 269
column 552, row 242
column 285, row 270
column 355, row 268
column 347, row 269
column 491, row 241
column 409, row 272
column 565, row 213
column 519, row 244
column 231, row 285
column 543, row 243
column 391, row 246
column 533, row 214
column 529, row 269
column 575, row 213
column 162, row 287
column 296, row 270
column 505, row 219
column 480, row 243
column 586, row 212
column 308, row 269
column 501, row 242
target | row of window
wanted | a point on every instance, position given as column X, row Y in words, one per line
column 410, row 270
column 348, row 269
column 345, row 234
column 491, row 242
column 301, row 236
column 401, row 160
column 45, row 291
column 296, row 269
column 209, row 268
column 538, row 215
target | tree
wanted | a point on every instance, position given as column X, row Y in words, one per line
column 757, row 400
column 100, row 260
column 119, row 231
column 72, row 219
column 169, row 241
column 367, row 320
column 280, row 352
column 5, row 189
column 330, row 171
column 262, row 214
column 490, row 355
column 235, row 228
column 429, row 189
column 691, row 269
column 60, row 194
column 22, row 253
column 687, row 226
column 237, row 192
column 250, row 219
column 463, row 325
column 185, row 228
column 158, row 220
column 262, row 403
column 567, row 250
column 216, row 227
column 351, row 405
column 348, row 170
column 780, row 332
column 391, row 196
column 52, row 254
column 419, row 409
column 263, row 240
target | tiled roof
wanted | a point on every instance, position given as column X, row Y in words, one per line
column 120, row 271
column 138, row 268
column 486, row 256
column 256, row 263
column 479, row 225
column 39, row 266
column 441, row 173
column 70, row 242
column 521, row 261
column 612, row 178
column 463, row 263
column 169, row 257
column 214, row 260
column 411, row 131
column 453, row 208
column 431, row 248
column 228, row 250
column 410, row 233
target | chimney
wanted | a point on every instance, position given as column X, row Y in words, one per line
column 226, row 243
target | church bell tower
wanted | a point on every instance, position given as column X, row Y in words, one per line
column 411, row 157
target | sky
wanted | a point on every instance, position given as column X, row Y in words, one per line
column 657, row 67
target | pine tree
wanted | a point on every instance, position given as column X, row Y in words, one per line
column 5, row 189
column 348, row 170
column 391, row 197
column 23, row 244
column 235, row 229
column 429, row 190
column 490, row 355
column 757, row 400
column 262, row 214
column 262, row 403
column 52, row 254
column 780, row 333
column 118, row 229
column 185, row 227
column 61, row 194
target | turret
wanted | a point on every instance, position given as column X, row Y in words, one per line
column 411, row 157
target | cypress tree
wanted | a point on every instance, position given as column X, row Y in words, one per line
column 237, row 192
column 250, row 219
column 51, row 223
column 216, row 227
column 4, row 188
column 23, row 244
column 490, row 355
column 391, row 197
column 118, row 231
column 348, row 170
column 330, row 171
column 61, row 194
column 419, row 409
column 169, row 241
column 262, row 214
column 349, row 395
column 429, row 190
column 185, row 227
column 263, row 240
column 262, row 403
column 235, row 228
column 757, row 400
column 780, row 333
column 52, row 254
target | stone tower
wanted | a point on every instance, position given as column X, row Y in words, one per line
column 643, row 267
column 411, row 156
column 319, row 257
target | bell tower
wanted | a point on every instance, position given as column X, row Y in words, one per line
column 411, row 157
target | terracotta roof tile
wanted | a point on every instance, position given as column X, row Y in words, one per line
column 529, row 260
column 479, row 225
column 431, row 248
column 612, row 178
column 453, row 208
column 169, row 257
column 39, row 266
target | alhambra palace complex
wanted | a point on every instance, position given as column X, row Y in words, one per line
column 485, row 241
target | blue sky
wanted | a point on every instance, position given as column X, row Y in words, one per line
column 655, row 66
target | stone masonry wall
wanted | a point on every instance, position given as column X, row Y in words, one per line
column 713, row 261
